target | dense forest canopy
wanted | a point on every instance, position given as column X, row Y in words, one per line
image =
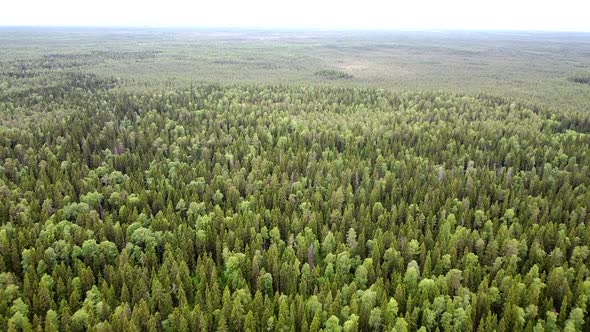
column 250, row 207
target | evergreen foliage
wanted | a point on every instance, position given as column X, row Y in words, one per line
column 288, row 208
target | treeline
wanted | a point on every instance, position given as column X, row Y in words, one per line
column 580, row 77
column 291, row 209
column 332, row 74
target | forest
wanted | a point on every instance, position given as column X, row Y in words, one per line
column 299, row 196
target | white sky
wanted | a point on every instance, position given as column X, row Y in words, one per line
column 557, row 15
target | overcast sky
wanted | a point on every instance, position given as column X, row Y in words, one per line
column 558, row 15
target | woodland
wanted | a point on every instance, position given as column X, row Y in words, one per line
column 293, row 194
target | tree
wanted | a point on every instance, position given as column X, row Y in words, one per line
column 351, row 325
column 80, row 320
column 351, row 238
column 454, row 278
column 19, row 322
column 73, row 210
column 333, row 324
column 51, row 321
column 375, row 319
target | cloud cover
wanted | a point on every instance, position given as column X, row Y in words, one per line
column 564, row 15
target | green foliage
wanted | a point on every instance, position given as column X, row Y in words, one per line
column 333, row 324
column 332, row 74
column 295, row 208
column 73, row 210
column 580, row 77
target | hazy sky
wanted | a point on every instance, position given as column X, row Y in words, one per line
column 560, row 15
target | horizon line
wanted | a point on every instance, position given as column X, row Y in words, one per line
column 292, row 28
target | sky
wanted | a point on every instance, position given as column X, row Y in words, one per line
column 544, row 15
